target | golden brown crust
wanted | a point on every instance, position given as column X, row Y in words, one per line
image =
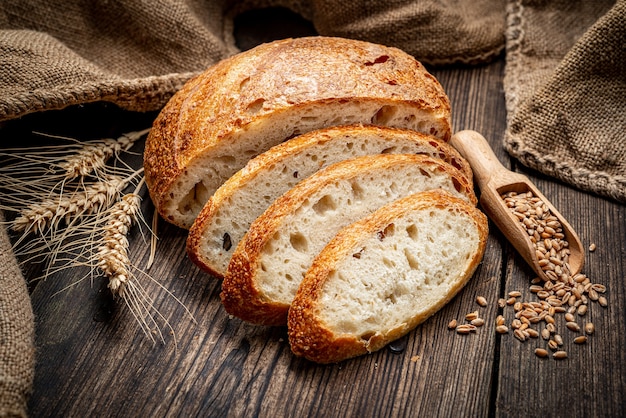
column 296, row 145
column 240, row 295
column 250, row 86
column 310, row 337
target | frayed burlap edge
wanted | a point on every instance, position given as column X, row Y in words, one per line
column 141, row 95
column 599, row 182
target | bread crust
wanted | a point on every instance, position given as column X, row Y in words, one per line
column 272, row 79
column 198, row 238
column 310, row 337
column 240, row 294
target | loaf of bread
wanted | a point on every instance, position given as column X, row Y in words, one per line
column 256, row 99
column 228, row 214
column 270, row 261
column 385, row 274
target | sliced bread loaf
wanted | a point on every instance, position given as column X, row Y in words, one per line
column 228, row 214
column 383, row 275
column 256, row 99
column 272, row 258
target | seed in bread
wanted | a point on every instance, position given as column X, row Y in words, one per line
column 228, row 214
column 346, row 306
column 270, row 261
column 258, row 98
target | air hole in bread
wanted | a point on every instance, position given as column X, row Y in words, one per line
column 379, row 60
column 388, row 262
column 411, row 231
column 410, row 119
column 195, row 199
column 391, row 298
column 366, row 336
column 388, row 231
column 244, row 83
column 440, row 278
column 456, row 164
column 389, row 150
column 325, row 204
column 457, row 186
column 256, row 106
column 411, row 259
column 384, row 115
column 422, row 126
column 349, row 145
column 357, row 190
column 299, row 242
column 424, row 173
column 227, row 160
column 289, row 277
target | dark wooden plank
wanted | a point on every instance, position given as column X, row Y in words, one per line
column 94, row 362
column 591, row 381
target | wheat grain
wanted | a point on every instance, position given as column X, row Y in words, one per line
column 93, row 156
column 502, row 329
column 48, row 214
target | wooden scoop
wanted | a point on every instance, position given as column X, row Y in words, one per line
column 494, row 179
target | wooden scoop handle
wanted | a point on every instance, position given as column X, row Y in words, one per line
column 485, row 165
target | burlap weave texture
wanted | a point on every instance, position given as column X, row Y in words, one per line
column 565, row 86
column 17, row 334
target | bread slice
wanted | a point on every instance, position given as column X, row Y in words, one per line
column 272, row 258
column 228, row 214
column 256, row 99
column 383, row 275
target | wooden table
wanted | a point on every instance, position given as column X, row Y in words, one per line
column 93, row 360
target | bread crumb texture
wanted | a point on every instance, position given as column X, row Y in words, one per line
column 386, row 274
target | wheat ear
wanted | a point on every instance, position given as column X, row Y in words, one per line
column 113, row 260
column 113, row 253
column 46, row 215
column 94, row 155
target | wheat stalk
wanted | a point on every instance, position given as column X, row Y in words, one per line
column 79, row 222
column 48, row 214
column 94, row 155
column 113, row 260
column 34, row 175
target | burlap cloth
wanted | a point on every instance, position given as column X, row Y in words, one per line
column 16, row 334
column 565, row 87
column 564, row 83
